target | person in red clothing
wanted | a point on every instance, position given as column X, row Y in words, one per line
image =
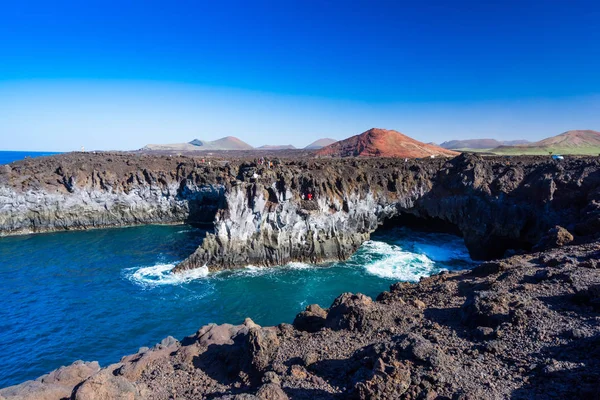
column 309, row 196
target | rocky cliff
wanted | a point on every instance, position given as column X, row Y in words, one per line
column 263, row 215
column 86, row 190
column 495, row 204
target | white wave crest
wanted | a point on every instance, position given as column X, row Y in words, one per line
column 390, row 261
column 255, row 270
column 252, row 270
column 162, row 274
column 299, row 265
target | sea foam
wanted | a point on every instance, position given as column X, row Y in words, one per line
column 162, row 274
column 255, row 270
column 390, row 261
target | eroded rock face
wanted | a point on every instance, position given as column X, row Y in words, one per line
column 263, row 216
column 271, row 234
column 81, row 191
column 496, row 204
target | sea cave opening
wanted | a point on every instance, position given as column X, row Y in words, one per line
column 419, row 224
column 490, row 247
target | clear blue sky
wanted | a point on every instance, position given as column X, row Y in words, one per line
column 118, row 75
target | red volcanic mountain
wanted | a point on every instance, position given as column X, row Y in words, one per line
column 383, row 143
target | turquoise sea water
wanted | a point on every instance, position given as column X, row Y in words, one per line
column 10, row 156
column 101, row 294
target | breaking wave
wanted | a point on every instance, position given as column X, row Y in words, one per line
column 161, row 274
column 409, row 258
column 254, row 270
column 392, row 262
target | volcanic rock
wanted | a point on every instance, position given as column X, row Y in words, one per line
column 347, row 311
column 555, row 237
column 262, row 215
column 311, row 320
column 58, row 384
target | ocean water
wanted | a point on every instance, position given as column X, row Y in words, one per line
column 101, row 294
column 7, row 157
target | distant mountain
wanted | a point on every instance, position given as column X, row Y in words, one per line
column 479, row 143
column 576, row 142
column 382, row 143
column 276, row 147
column 226, row 143
column 230, row 143
column 514, row 142
column 319, row 144
column 197, row 142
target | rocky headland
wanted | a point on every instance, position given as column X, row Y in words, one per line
column 299, row 209
column 524, row 325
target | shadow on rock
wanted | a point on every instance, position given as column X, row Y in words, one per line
column 241, row 358
column 225, row 363
column 570, row 371
column 312, row 394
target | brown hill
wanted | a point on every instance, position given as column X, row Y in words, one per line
column 226, row 143
column 471, row 144
column 583, row 142
column 576, row 138
column 480, row 143
column 230, row 143
column 383, row 143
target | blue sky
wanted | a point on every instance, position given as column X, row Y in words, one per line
column 119, row 75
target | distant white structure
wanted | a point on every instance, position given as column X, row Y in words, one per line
column 82, row 149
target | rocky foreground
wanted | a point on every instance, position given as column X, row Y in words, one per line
column 525, row 327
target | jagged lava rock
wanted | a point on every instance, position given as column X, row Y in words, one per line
column 262, row 215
